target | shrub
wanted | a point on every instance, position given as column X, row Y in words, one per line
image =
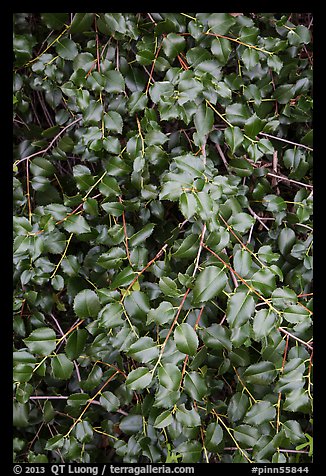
column 163, row 237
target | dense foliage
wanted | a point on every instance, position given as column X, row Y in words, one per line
column 163, row 237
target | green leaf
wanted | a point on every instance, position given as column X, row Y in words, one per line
column 161, row 89
column 124, row 278
column 186, row 339
column 204, row 120
column 284, row 93
column 188, row 418
column 165, row 398
column 41, row 341
column 113, row 121
column 114, row 82
column 155, row 138
column 84, row 431
column 293, row 431
column 109, row 187
column 286, row 240
column 143, row 350
column 55, row 443
column 55, row 21
column 246, row 435
column 264, row 281
column 275, row 63
column 140, row 236
column 173, row 44
column 139, row 378
column 260, row 413
column 86, row 304
column 205, row 205
column 188, row 203
column 169, row 376
column 283, row 297
column 83, row 177
column 253, row 126
column 81, row 22
column 297, row 401
column 299, row 35
column 137, row 102
column 42, row 167
column 233, row 137
column 195, row 385
column 237, row 114
column 188, row 248
column 241, row 222
column 210, row 283
column 262, row 373
column 221, row 49
column 61, row 367
column 163, row 420
column 217, row 337
column 22, row 373
column 238, row 406
column 190, row 451
column 109, row 401
column 115, row 209
column 250, row 58
column 75, row 343
column 264, row 322
column 220, row 22
column 213, row 437
column 66, row 48
column 274, row 203
column 169, row 287
column 240, row 308
column 296, row 314
column 76, row 224
column 161, row 315
column 242, row 262
column 110, row 316
column 137, row 304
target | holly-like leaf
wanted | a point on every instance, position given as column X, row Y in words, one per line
column 86, row 304
column 62, row 367
column 210, row 283
column 186, row 339
column 41, row 341
column 139, row 378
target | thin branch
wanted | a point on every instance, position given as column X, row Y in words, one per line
column 295, row 337
column 151, row 18
column 199, row 249
column 254, row 214
column 152, row 68
column 280, row 393
column 143, row 270
column 285, row 140
column 281, row 177
column 89, row 403
column 217, row 35
column 65, row 339
column 220, row 151
column 275, row 163
column 43, row 151
column 187, row 356
column 62, row 257
column 28, row 193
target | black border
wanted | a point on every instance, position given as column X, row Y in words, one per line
column 6, row 189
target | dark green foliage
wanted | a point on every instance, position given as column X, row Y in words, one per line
column 162, row 237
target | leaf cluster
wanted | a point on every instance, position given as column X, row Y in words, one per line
column 162, row 237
